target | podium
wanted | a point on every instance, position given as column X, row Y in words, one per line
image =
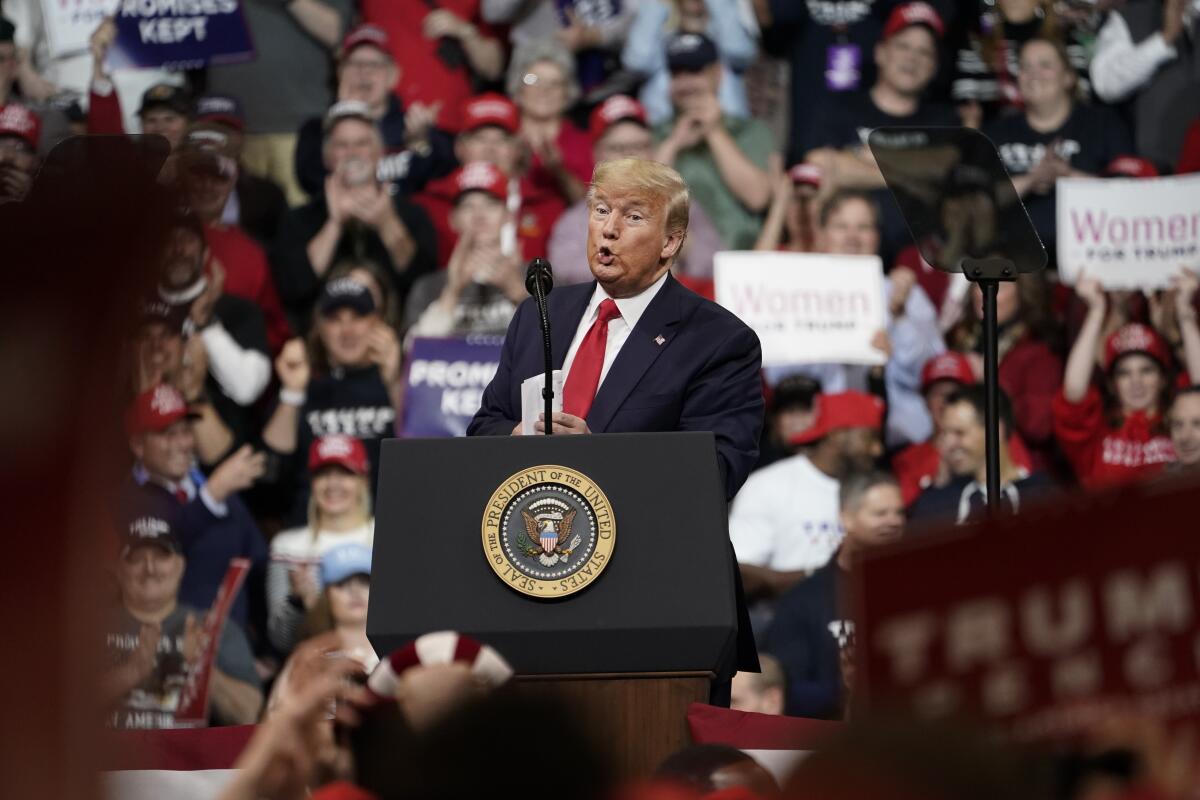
column 649, row 614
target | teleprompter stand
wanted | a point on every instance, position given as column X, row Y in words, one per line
column 965, row 216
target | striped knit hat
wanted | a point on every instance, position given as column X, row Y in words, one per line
column 442, row 647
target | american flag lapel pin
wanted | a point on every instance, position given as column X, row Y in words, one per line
column 659, row 340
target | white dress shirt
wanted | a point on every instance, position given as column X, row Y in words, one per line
column 631, row 309
column 1120, row 67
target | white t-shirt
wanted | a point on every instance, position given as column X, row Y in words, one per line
column 786, row 517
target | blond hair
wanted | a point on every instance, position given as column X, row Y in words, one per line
column 661, row 184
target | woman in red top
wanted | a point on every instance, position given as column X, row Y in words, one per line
column 541, row 81
column 1030, row 371
column 1126, row 440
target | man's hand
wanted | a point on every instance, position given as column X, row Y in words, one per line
column 441, row 22
column 291, row 365
column 504, row 273
column 194, row 638
column 144, row 658
column 337, row 199
column 1172, row 25
column 383, row 349
column 99, row 43
column 201, row 312
column 688, row 132
column 236, row 473
column 903, row 281
column 193, row 371
column 577, row 36
column 372, row 206
column 14, row 183
column 420, row 118
column 707, row 110
column 563, row 423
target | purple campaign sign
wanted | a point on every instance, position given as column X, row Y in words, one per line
column 179, row 34
column 445, row 383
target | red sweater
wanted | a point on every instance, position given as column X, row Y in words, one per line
column 1189, row 154
column 931, row 279
column 248, row 275
column 426, row 77
column 1101, row 455
column 1031, row 374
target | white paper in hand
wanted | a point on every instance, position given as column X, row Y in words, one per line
column 532, row 403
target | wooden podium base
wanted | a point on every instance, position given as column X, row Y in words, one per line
column 641, row 718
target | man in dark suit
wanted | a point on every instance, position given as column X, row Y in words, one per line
column 639, row 352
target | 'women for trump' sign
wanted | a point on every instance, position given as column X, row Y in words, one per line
column 1128, row 233
column 805, row 308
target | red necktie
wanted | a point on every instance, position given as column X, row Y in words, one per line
column 584, row 377
column 181, row 495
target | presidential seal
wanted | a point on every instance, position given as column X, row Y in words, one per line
column 548, row 531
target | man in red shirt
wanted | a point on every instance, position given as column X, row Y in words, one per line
column 920, row 466
column 207, row 176
column 490, row 125
column 442, row 56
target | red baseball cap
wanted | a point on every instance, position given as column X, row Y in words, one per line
column 490, row 109
column 1131, row 167
column 1135, row 338
column 336, row 448
column 618, row 108
column 909, row 14
column 809, row 174
column 948, row 366
column 480, row 176
column 372, row 35
column 842, row 410
column 17, row 120
column 155, row 410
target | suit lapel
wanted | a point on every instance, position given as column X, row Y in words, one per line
column 637, row 354
column 564, row 319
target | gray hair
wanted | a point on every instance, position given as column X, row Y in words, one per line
column 853, row 488
column 530, row 54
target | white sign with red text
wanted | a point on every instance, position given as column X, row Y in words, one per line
column 1129, row 233
column 70, row 23
column 806, row 308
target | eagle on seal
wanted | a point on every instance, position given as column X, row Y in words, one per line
column 551, row 534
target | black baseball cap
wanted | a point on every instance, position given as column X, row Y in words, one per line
column 690, row 52
column 346, row 293
column 168, row 96
column 158, row 310
column 150, row 516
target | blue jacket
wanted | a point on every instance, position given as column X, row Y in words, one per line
column 704, row 376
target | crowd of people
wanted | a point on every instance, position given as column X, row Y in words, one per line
column 382, row 170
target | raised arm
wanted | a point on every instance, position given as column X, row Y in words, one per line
column 1082, row 360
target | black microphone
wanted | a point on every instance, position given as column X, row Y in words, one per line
column 539, row 280
column 539, row 272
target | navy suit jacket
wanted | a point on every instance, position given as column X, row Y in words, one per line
column 704, row 376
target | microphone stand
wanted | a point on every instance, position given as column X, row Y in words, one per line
column 539, row 280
